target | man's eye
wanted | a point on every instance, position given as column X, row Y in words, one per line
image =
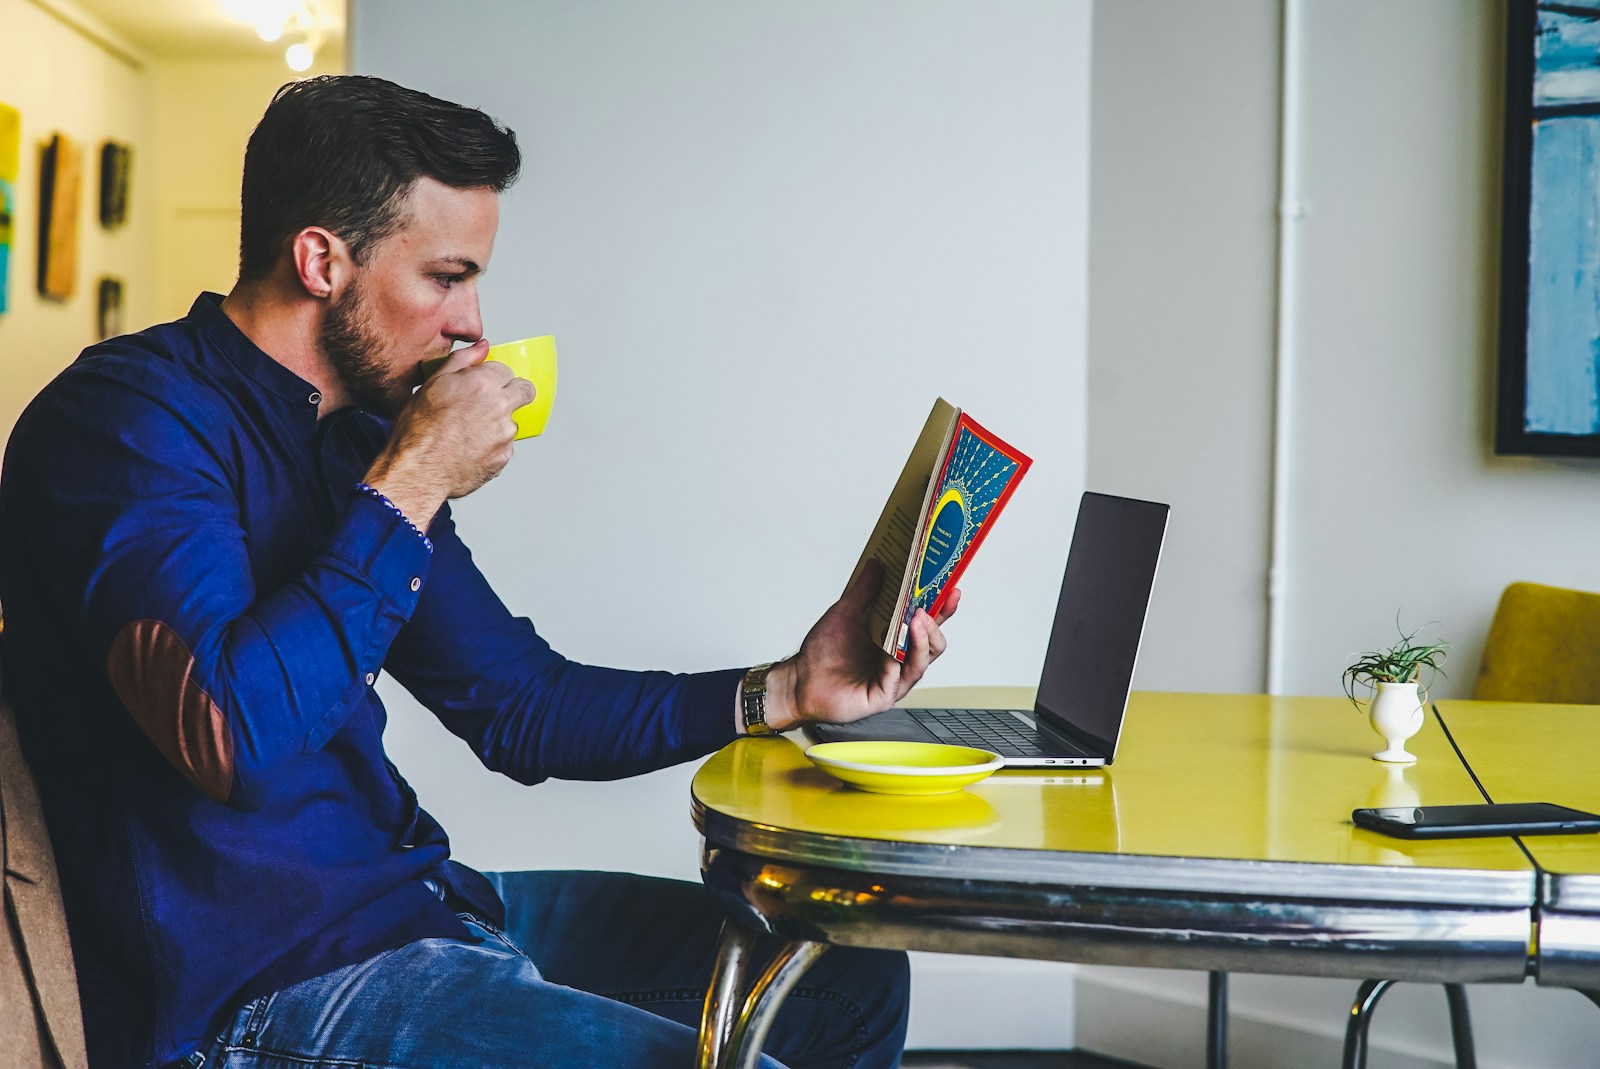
column 447, row 280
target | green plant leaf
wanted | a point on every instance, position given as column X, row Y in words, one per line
column 1402, row 662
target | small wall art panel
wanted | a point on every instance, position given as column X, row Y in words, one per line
column 60, row 193
column 108, row 308
column 116, row 163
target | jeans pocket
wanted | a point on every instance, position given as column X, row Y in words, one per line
column 254, row 1015
column 240, row 1025
column 242, row 1031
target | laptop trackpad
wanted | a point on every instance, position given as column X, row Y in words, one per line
column 894, row 725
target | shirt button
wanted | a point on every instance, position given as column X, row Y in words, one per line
column 315, row 398
column 416, row 584
column 371, row 679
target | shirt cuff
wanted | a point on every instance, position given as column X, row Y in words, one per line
column 708, row 695
column 379, row 496
column 375, row 538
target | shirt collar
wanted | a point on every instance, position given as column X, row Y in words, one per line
column 245, row 355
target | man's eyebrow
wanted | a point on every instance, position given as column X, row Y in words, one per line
column 462, row 264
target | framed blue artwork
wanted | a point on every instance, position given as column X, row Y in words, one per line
column 1549, row 391
column 10, row 158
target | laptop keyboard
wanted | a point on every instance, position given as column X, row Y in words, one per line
column 987, row 730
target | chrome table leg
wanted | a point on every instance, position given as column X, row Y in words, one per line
column 766, row 995
column 1217, row 1021
column 1461, row 1026
column 722, row 997
column 1355, row 1033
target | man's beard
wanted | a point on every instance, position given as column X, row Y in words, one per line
column 354, row 349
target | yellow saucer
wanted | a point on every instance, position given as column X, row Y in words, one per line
column 904, row 767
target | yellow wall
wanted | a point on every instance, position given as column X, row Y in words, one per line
column 187, row 120
column 204, row 112
column 63, row 82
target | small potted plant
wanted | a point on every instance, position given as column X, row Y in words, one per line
column 1393, row 676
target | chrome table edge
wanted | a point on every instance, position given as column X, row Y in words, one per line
column 1570, row 892
column 1569, row 931
column 1239, row 931
column 1462, row 887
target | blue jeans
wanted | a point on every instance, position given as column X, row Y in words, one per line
column 594, row 970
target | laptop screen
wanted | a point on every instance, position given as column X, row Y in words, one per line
column 1088, row 666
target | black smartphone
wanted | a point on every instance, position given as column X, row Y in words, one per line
column 1460, row 821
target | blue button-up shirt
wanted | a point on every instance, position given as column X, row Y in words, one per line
column 197, row 601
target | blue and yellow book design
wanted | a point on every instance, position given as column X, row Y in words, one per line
column 980, row 471
column 957, row 480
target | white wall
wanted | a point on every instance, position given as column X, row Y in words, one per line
column 1183, row 182
column 765, row 237
column 1400, row 341
column 1397, row 338
column 63, row 82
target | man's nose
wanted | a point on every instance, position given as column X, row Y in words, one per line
column 465, row 323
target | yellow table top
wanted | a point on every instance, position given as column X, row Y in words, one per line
column 1240, row 777
column 1524, row 752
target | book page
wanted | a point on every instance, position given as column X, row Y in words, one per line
column 894, row 538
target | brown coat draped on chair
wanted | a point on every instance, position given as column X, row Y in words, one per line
column 41, row 1024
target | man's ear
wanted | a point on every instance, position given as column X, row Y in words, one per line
column 320, row 261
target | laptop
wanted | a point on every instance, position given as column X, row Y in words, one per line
column 1077, row 717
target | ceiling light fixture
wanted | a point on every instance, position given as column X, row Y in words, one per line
column 270, row 27
column 269, row 18
column 274, row 20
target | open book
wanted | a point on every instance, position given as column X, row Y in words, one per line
column 957, row 480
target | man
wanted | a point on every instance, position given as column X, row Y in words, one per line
column 213, row 536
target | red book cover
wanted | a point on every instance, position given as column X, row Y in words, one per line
column 976, row 478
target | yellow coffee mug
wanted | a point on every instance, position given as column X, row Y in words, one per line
column 533, row 359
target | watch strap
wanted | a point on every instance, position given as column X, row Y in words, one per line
column 753, row 700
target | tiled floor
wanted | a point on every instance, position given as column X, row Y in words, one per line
column 1019, row 1059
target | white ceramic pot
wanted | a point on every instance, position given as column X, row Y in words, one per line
column 1395, row 712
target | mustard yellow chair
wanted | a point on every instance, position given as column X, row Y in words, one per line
column 1543, row 646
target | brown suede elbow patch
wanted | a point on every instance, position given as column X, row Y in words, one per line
column 152, row 672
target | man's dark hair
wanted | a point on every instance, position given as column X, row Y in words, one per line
column 343, row 151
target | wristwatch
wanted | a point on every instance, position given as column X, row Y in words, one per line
column 753, row 700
